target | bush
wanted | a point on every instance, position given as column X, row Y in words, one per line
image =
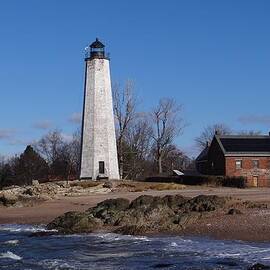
column 24, row 169
column 208, row 180
column 239, row 182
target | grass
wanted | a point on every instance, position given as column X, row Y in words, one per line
column 85, row 184
column 143, row 186
column 131, row 186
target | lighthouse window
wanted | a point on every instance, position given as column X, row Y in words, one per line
column 101, row 167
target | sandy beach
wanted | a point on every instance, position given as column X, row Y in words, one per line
column 252, row 225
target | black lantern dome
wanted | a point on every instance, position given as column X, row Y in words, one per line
column 96, row 50
column 97, row 44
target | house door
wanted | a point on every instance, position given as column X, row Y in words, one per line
column 255, row 181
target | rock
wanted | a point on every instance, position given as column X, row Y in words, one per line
column 258, row 266
column 35, row 182
column 16, row 196
column 184, row 220
column 11, row 187
column 132, row 230
column 142, row 201
column 109, row 210
column 42, row 233
column 155, row 217
column 74, row 222
column 108, row 184
column 8, row 199
column 29, row 191
column 118, row 204
column 64, row 184
column 174, row 201
column 48, row 189
column 234, row 211
column 149, row 202
column 145, row 214
column 205, row 203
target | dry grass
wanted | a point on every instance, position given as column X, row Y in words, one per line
column 166, row 186
column 85, row 184
column 143, row 186
column 131, row 186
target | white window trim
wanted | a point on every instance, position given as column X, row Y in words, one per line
column 236, row 167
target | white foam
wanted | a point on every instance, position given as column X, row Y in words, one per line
column 11, row 242
column 119, row 237
column 10, row 255
column 225, row 255
column 23, row 228
column 56, row 264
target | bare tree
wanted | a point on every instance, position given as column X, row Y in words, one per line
column 166, row 125
column 2, row 162
column 73, row 149
column 208, row 133
column 50, row 146
column 174, row 158
column 125, row 112
column 63, row 156
column 138, row 142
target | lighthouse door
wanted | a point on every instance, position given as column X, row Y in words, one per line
column 101, row 167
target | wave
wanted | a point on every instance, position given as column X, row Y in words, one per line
column 10, row 255
column 56, row 264
column 11, row 242
column 24, row 228
column 120, row 237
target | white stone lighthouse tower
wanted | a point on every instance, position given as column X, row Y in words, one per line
column 99, row 152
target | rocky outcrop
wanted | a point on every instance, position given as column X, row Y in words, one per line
column 108, row 184
column 8, row 198
column 145, row 214
column 28, row 195
column 15, row 196
column 258, row 266
column 75, row 222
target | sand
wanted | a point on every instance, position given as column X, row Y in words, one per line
column 252, row 225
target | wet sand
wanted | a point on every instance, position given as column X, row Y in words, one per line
column 252, row 225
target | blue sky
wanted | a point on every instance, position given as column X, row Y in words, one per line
column 211, row 56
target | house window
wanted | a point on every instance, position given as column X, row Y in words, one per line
column 255, row 179
column 255, row 163
column 238, row 164
column 101, row 167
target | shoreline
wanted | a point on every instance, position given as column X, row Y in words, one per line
column 251, row 226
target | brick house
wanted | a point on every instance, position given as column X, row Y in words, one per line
column 237, row 155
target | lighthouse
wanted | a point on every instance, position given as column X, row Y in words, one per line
column 98, row 149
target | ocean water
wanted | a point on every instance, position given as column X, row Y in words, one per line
column 111, row 251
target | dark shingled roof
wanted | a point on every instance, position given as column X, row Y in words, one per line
column 239, row 145
column 203, row 155
column 244, row 144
